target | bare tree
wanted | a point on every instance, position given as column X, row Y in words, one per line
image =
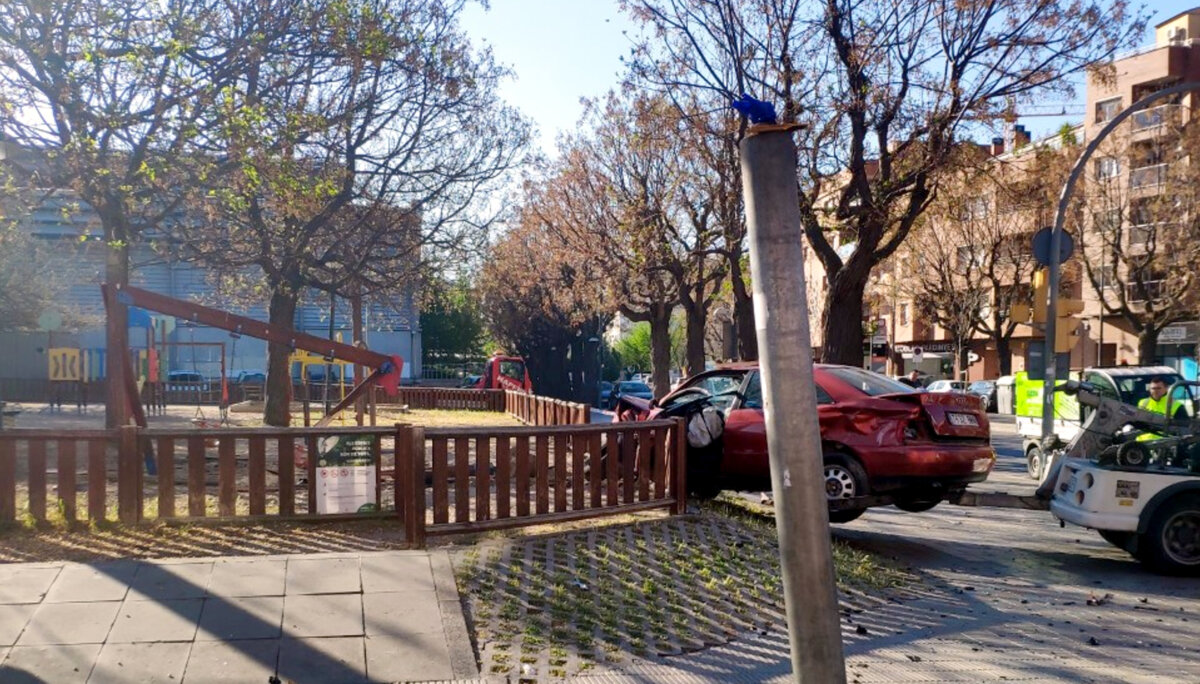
column 886, row 89
column 366, row 137
column 1139, row 213
column 110, row 94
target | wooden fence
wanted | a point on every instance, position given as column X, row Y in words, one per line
column 454, row 399
column 435, row 481
column 537, row 410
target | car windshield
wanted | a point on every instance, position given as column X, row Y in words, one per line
column 1135, row 388
column 871, row 384
column 635, row 387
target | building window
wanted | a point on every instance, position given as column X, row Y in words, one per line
column 1107, row 109
column 1107, row 167
column 904, row 314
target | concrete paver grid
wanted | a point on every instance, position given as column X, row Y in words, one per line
column 246, row 619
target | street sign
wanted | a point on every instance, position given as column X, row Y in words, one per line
column 1173, row 333
column 1041, row 247
column 918, row 355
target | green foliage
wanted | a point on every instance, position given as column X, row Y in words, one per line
column 1066, row 133
column 452, row 325
column 633, row 350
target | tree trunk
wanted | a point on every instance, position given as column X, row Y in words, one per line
column 743, row 316
column 116, row 339
column 841, row 325
column 356, row 334
column 1147, row 342
column 660, row 349
column 282, row 315
column 1004, row 352
column 697, row 321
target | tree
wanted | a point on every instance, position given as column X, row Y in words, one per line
column 976, row 240
column 111, row 93
column 365, row 137
column 886, row 90
column 1139, row 227
column 632, row 196
column 452, row 326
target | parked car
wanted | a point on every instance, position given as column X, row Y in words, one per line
column 186, row 381
column 605, row 396
column 246, row 377
column 879, row 436
column 947, row 386
column 629, row 388
column 986, row 389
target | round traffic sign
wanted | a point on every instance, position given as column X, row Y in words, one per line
column 1041, row 246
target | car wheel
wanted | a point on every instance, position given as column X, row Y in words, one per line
column 1171, row 544
column 844, row 479
column 1033, row 462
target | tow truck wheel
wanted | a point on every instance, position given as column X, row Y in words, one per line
column 1033, row 462
column 844, row 479
column 1171, row 544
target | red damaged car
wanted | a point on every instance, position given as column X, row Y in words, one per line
column 880, row 436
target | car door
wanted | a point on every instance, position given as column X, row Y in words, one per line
column 745, row 453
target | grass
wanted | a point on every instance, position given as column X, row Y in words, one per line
column 574, row 600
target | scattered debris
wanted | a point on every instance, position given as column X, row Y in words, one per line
column 1092, row 641
column 861, row 630
column 915, row 659
column 1093, row 600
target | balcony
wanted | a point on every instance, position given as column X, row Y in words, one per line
column 1154, row 121
column 1148, row 176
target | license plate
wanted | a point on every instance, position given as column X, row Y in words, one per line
column 963, row 420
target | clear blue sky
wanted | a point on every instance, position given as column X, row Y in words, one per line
column 560, row 51
column 564, row 50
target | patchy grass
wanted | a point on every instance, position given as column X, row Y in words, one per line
column 565, row 603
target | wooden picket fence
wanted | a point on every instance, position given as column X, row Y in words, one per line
column 532, row 409
column 442, row 480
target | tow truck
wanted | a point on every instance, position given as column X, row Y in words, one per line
column 1140, row 495
column 1125, row 384
column 505, row 372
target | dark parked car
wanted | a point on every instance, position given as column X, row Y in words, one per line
column 186, row 381
column 986, row 390
column 605, row 397
column 630, row 388
column 879, row 436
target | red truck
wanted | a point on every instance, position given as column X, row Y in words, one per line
column 505, row 372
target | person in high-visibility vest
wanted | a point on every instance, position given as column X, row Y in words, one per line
column 1155, row 403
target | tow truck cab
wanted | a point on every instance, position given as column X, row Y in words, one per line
column 505, row 372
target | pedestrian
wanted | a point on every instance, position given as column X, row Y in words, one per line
column 913, row 379
column 1156, row 403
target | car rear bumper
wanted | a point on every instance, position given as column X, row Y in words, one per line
column 936, row 466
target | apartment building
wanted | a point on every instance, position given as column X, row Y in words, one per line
column 1133, row 167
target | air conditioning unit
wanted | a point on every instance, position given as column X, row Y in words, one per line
column 1177, row 35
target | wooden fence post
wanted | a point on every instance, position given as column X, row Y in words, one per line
column 416, row 522
column 129, row 476
column 402, row 482
column 679, row 467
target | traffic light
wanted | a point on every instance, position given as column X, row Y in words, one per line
column 1041, row 290
column 1066, row 327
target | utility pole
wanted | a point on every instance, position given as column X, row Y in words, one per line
column 768, row 158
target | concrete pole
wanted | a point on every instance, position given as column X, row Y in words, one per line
column 768, row 158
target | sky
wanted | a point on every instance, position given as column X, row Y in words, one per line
column 565, row 50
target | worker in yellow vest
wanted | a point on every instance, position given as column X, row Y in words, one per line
column 1155, row 403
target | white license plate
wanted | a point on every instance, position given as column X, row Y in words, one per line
column 963, row 420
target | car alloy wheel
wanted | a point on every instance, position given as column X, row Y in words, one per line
column 839, row 482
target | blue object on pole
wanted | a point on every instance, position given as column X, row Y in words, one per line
column 756, row 111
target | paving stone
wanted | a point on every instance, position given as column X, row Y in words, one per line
column 323, row 615
column 168, row 620
column 402, row 613
column 97, row 582
column 401, row 571
column 13, row 619
column 323, row 576
column 172, row 580
column 241, row 617
column 254, row 577
column 136, row 663
column 232, row 661
column 26, row 584
column 69, row 623
column 416, row 657
column 51, row 664
column 322, row 660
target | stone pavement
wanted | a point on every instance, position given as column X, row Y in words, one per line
column 386, row 616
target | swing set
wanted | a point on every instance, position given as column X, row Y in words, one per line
column 385, row 369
